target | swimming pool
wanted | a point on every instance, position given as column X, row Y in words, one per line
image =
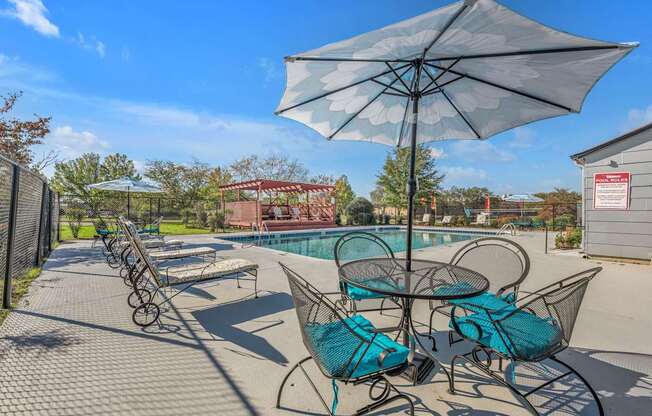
column 320, row 244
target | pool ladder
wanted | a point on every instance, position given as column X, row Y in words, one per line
column 259, row 233
column 507, row 229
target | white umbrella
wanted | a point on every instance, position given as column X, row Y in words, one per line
column 522, row 199
column 465, row 71
column 127, row 185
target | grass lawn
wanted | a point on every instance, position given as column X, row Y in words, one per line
column 167, row 228
column 19, row 288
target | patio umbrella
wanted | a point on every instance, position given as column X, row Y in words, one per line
column 127, row 185
column 522, row 199
column 468, row 70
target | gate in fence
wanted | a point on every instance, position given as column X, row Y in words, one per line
column 29, row 217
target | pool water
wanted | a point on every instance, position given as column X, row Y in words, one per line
column 321, row 244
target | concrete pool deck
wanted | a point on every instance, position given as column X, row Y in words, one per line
column 71, row 348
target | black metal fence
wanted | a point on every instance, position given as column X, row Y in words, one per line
column 554, row 216
column 82, row 214
column 29, row 217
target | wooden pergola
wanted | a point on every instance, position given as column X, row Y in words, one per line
column 318, row 214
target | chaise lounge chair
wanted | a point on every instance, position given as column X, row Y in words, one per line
column 146, row 310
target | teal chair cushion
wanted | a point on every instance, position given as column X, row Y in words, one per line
column 358, row 293
column 103, row 233
column 484, row 300
column 520, row 334
column 334, row 344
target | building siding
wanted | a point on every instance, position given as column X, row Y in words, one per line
column 621, row 233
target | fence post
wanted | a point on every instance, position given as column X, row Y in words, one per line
column 39, row 244
column 13, row 210
column 58, row 217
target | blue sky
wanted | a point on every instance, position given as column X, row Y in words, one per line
column 174, row 80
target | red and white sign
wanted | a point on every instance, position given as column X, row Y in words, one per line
column 611, row 190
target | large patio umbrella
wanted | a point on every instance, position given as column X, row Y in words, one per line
column 521, row 199
column 127, row 185
column 469, row 70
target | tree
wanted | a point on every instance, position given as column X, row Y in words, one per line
column 73, row 176
column 360, row 212
column 394, row 176
column 118, row 165
column 322, row 179
column 473, row 197
column 343, row 194
column 187, row 183
column 279, row 167
column 378, row 197
column 563, row 200
column 18, row 136
column 218, row 177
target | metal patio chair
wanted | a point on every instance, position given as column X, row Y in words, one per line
column 356, row 245
column 535, row 328
column 346, row 347
column 502, row 261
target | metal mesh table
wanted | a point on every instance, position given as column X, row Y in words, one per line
column 431, row 280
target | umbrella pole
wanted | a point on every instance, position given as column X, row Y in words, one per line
column 412, row 183
column 128, row 203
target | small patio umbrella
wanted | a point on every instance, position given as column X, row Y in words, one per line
column 468, row 70
column 522, row 199
column 127, row 185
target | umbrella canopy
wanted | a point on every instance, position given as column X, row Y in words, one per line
column 125, row 185
column 522, row 198
column 465, row 71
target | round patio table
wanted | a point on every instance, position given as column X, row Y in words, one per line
column 427, row 279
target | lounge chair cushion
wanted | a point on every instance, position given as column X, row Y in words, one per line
column 178, row 254
column 521, row 335
column 103, row 233
column 335, row 344
column 193, row 273
column 358, row 293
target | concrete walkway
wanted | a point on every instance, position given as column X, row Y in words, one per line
column 71, row 347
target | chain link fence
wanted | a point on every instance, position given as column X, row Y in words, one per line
column 29, row 217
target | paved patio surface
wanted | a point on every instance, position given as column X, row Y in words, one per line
column 71, row 347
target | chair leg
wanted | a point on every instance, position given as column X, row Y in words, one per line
column 285, row 379
column 384, row 398
column 586, row 383
column 520, row 396
column 432, row 337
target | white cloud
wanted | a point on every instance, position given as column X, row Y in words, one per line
column 32, row 13
column 463, row 176
column 100, row 49
column 90, row 44
column 479, row 151
column 523, row 138
column 269, row 68
column 437, row 152
column 70, row 143
column 637, row 117
column 125, row 54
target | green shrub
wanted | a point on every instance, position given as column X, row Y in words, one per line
column 185, row 216
column 201, row 216
column 360, row 212
column 75, row 212
column 216, row 221
column 569, row 239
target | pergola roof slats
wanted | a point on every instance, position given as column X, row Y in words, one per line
column 277, row 186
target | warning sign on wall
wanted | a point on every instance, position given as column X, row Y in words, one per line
column 611, row 190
